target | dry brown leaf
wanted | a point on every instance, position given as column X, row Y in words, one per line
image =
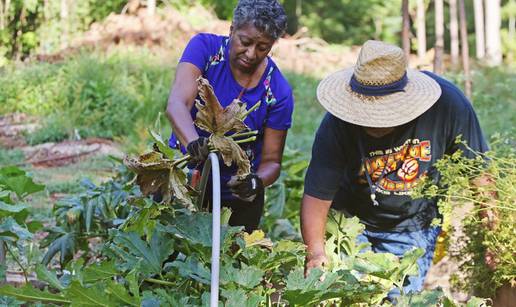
column 219, row 121
column 230, row 151
column 212, row 117
column 156, row 174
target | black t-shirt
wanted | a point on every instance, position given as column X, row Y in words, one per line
column 336, row 170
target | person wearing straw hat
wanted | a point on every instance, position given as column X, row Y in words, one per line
column 385, row 127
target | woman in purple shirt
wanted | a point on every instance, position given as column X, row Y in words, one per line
column 238, row 65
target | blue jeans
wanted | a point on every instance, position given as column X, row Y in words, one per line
column 398, row 243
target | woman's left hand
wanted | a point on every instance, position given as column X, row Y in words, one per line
column 246, row 188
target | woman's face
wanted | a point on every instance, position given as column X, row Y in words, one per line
column 249, row 47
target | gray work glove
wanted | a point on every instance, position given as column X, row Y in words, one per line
column 198, row 150
column 247, row 188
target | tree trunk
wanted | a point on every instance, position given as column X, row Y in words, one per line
column 151, row 7
column 479, row 29
column 2, row 15
column 439, row 36
column 2, row 259
column 63, row 15
column 405, row 39
column 493, row 39
column 512, row 31
column 465, row 48
column 421, row 30
column 454, row 33
column 18, row 40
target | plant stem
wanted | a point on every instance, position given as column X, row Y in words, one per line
column 256, row 106
column 239, row 135
column 182, row 164
column 179, row 161
column 25, row 273
column 160, row 282
column 251, row 139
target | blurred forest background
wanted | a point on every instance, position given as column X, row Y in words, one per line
column 29, row 27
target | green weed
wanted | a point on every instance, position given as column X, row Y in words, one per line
column 89, row 95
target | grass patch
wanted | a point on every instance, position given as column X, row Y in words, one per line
column 90, row 94
column 66, row 180
column 11, row 156
column 119, row 96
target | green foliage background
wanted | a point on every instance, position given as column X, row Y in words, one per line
column 32, row 26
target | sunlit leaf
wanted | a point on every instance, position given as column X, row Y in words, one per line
column 97, row 272
column 132, row 250
column 193, row 269
column 247, row 276
column 239, row 298
column 28, row 293
column 257, row 237
column 162, row 145
column 49, row 277
column 121, row 294
column 90, row 296
column 15, row 179
column 65, row 245
column 11, row 230
column 231, row 153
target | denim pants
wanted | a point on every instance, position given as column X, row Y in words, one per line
column 398, row 243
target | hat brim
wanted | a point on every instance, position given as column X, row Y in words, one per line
column 336, row 96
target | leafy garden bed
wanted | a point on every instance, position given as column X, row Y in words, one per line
column 113, row 245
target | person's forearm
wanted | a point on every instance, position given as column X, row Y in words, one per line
column 314, row 214
column 182, row 122
column 268, row 171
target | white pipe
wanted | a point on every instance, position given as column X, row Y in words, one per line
column 215, row 246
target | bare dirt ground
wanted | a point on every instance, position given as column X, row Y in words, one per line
column 13, row 127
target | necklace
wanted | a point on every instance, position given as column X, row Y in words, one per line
column 373, row 187
column 250, row 80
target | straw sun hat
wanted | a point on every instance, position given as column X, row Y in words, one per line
column 379, row 91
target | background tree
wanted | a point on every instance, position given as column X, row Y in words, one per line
column 63, row 14
column 421, row 30
column 480, row 44
column 454, row 33
column 151, row 7
column 405, row 30
column 465, row 48
column 493, row 38
column 439, row 36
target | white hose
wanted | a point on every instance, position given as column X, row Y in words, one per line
column 215, row 246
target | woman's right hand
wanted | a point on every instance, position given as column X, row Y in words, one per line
column 198, row 150
column 315, row 260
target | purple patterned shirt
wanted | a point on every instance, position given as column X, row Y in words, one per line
column 210, row 53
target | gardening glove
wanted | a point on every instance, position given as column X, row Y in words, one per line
column 246, row 188
column 198, row 150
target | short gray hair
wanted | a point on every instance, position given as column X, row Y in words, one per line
column 268, row 16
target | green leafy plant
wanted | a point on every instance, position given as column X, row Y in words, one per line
column 87, row 215
column 16, row 227
column 487, row 253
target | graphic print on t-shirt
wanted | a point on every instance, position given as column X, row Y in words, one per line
column 403, row 166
